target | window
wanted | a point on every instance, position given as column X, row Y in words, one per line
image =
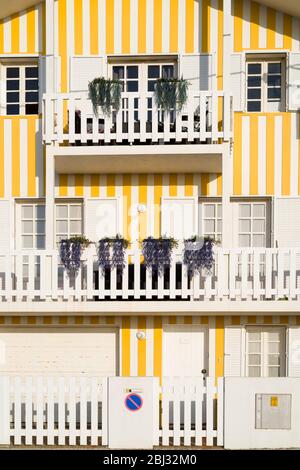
column 33, row 226
column 128, row 75
column 265, row 351
column 159, row 71
column 22, row 89
column 68, row 220
column 252, row 224
column 265, row 85
column 212, row 220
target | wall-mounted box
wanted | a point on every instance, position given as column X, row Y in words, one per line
column 273, row 411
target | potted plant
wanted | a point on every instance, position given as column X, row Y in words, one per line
column 198, row 254
column 170, row 93
column 106, row 94
column 70, row 251
column 111, row 252
column 157, row 253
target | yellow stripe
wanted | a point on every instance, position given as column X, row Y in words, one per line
column 63, row 320
column 238, row 25
column 286, row 154
column 142, row 348
column 188, row 320
column 267, row 320
column 297, row 320
column 220, row 55
column 79, row 182
column 271, row 28
column 236, row 320
column 1, row 37
column 62, row 46
column 110, row 320
column 254, row 155
column 79, row 320
column 125, row 346
column 94, row 26
column 111, row 185
column 237, row 155
column 47, row 320
column 95, row 181
column 205, row 184
column 142, row 200
column 15, row 34
column 252, row 319
column 219, row 346
column 142, row 25
column 287, row 32
column 206, row 7
column 174, row 26
column 2, row 189
column 204, row 320
column 270, row 155
column 15, row 157
column 188, row 185
column 173, row 186
column 254, row 26
column 78, row 40
column 31, row 30
column 16, row 320
column 63, row 185
column 284, row 320
column 31, row 320
column 126, row 26
column 219, row 185
column 94, row 320
column 157, row 26
column 157, row 203
column 157, row 354
column 2, row 320
column 127, row 204
column 31, row 173
column 172, row 320
column 110, row 30
column 189, row 26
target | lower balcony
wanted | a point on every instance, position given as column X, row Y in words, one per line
column 239, row 276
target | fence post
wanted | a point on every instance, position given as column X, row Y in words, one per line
column 4, row 411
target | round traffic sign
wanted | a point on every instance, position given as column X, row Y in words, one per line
column 133, row 402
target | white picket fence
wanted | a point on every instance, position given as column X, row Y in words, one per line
column 74, row 411
column 238, row 274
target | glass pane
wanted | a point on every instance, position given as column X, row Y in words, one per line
column 32, row 108
column 40, row 242
column 151, row 85
column 274, row 372
column 254, row 335
column 274, row 80
column 254, row 69
column 254, row 93
column 61, row 212
column 258, row 225
column 254, row 347
column 27, row 212
column 274, row 93
column 75, row 226
column 209, row 226
column 219, row 226
column 209, row 210
column 118, row 72
column 31, row 96
column 132, row 71
column 40, row 212
column 12, row 97
column 254, row 106
column 244, row 241
column 13, row 72
column 62, row 226
column 274, row 347
column 153, row 71
column 12, row 84
column 12, row 109
column 274, row 336
column 27, row 241
column 259, row 241
column 133, row 86
column 168, row 71
column 75, row 212
column 32, row 84
column 259, row 210
column 27, row 226
column 274, row 360
column 40, row 226
column 219, row 210
column 254, row 360
column 274, row 67
column 31, row 72
column 244, row 210
column 245, row 225
column 254, row 81
column 254, row 371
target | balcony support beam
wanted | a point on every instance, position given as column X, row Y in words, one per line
column 50, row 189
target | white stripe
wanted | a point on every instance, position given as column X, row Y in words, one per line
column 197, row 27
column 278, row 155
column 103, row 186
column 245, row 155
column 295, row 34
column 212, row 346
column 39, row 31
column 70, row 32
column 23, row 158
column 23, row 32
column 119, row 185
column 118, row 26
column 39, row 159
column 214, row 26
column 165, row 25
column 7, row 156
column 149, row 27
column 133, row 209
column 165, row 185
column 86, row 184
column 86, row 47
column 263, row 26
column 246, row 24
column 133, row 347
column 134, row 26
column 181, row 26
column 279, row 30
column 71, row 185
column 149, row 346
column 197, row 182
column 180, row 185
column 195, row 187
column 262, row 155
column 294, row 154
column 56, row 29
column 150, row 206
column 7, row 35
column 213, row 184
column 102, row 26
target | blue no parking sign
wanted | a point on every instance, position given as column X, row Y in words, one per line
column 133, row 402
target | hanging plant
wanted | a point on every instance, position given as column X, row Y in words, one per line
column 157, row 253
column 70, row 251
column 170, row 93
column 198, row 254
column 106, row 94
column 118, row 247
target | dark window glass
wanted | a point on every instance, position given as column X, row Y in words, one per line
column 32, row 97
column 274, row 68
column 151, row 85
column 31, row 72
column 254, row 93
column 32, row 108
column 254, row 81
column 274, row 93
column 13, row 72
column 167, row 71
column 254, row 69
column 153, row 71
column 12, row 97
column 12, row 84
column 132, row 86
column 274, row 80
column 118, row 72
column 254, row 106
column 12, row 109
column 32, row 84
column 132, row 71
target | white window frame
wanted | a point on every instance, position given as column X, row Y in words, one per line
column 266, row 106
column 68, row 203
column 217, row 202
column 264, row 330
column 21, row 64
column 236, row 220
column 19, row 220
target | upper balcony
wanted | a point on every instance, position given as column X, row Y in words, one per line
column 68, row 118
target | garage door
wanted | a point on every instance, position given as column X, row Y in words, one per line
column 59, row 351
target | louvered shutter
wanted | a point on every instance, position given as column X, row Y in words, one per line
column 84, row 70
column 233, row 351
column 287, row 222
column 102, row 218
column 294, row 351
column 5, row 232
column 199, row 70
column 238, row 81
column 293, row 81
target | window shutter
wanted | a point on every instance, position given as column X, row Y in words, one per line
column 238, row 81
column 287, row 212
column 199, row 70
column 233, row 351
column 5, row 235
column 293, row 81
column 83, row 70
column 294, row 351
column 102, row 218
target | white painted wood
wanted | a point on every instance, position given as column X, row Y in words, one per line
column 4, row 411
column 233, row 353
column 83, row 70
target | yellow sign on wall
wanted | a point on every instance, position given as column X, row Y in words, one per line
column 274, row 401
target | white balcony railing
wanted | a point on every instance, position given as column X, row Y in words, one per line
column 206, row 118
column 240, row 274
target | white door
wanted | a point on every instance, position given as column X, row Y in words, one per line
column 103, row 218
column 59, row 351
column 185, row 351
column 179, row 217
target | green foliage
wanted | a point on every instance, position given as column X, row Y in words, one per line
column 81, row 239
column 170, row 93
column 106, row 94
